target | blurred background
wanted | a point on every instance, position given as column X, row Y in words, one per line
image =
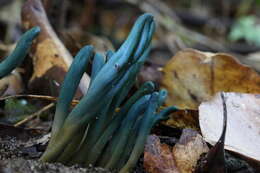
column 212, row 25
column 230, row 26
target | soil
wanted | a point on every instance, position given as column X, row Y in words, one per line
column 19, row 165
column 21, row 156
column 20, row 150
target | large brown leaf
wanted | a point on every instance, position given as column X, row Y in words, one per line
column 192, row 77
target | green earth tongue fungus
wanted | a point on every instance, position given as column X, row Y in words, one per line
column 149, row 119
column 96, row 129
column 108, row 112
column 111, row 73
column 68, row 89
column 115, row 147
column 92, row 132
column 19, row 53
column 104, row 118
column 99, row 145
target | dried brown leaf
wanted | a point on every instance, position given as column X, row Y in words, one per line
column 192, row 77
column 158, row 157
column 188, row 150
column 182, row 158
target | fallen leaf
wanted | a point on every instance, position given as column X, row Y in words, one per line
column 182, row 158
column 192, row 77
column 243, row 123
column 158, row 157
column 50, row 58
column 188, row 150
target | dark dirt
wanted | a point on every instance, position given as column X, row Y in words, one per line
column 21, row 156
column 21, row 148
column 19, row 165
column 9, row 148
column 18, row 156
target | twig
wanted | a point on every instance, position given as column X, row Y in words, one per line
column 49, row 98
column 32, row 116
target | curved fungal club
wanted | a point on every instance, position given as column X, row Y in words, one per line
column 19, row 53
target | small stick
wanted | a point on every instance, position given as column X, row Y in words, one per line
column 32, row 116
column 50, row 98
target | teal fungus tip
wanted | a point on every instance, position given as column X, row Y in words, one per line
column 19, row 53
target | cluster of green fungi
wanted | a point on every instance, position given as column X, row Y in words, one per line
column 19, row 53
column 105, row 128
